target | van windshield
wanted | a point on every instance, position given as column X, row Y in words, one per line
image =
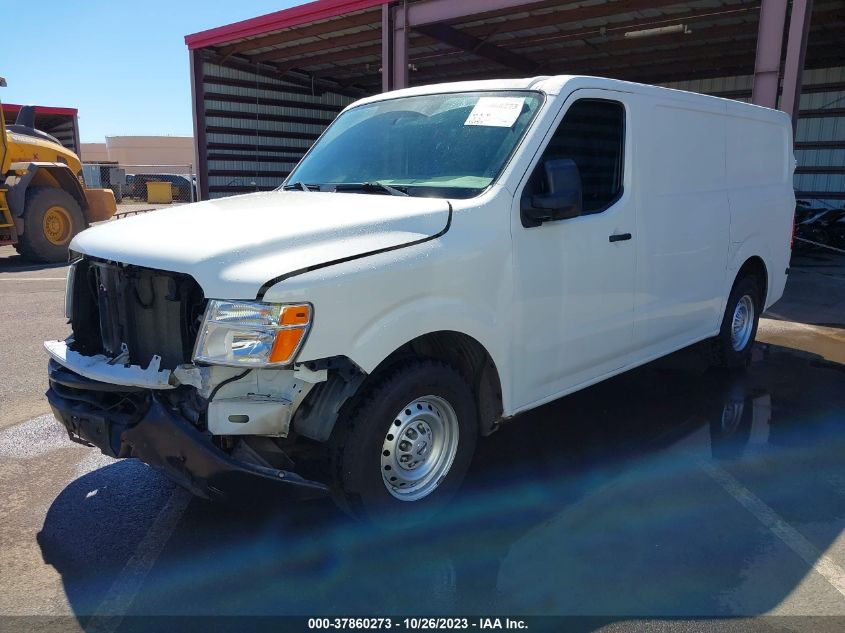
column 443, row 145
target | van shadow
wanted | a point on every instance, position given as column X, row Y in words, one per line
column 602, row 503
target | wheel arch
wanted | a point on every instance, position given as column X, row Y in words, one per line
column 755, row 267
column 43, row 175
column 753, row 255
column 470, row 358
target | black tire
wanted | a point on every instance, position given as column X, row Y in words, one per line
column 721, row 348
column 34, row 244
column 361, row 432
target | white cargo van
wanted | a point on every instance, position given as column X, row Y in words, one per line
column 443, row 258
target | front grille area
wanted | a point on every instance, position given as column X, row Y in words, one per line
column 145, row 311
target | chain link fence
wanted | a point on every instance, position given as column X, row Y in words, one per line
column 139, row 188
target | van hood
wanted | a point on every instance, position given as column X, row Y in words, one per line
column 233, row 246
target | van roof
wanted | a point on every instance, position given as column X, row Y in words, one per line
column 554, row 85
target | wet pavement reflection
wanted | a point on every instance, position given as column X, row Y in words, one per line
column 611, row 501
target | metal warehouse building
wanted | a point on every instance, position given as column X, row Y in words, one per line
column 264, row 89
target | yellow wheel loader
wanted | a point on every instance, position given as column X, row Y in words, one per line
column 43, row 198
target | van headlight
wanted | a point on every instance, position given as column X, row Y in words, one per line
column 252, row 334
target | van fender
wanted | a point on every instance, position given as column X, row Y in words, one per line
column 373, row 342
column 367, row 308
column 754, row 245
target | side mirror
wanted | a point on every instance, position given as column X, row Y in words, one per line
column 563, row 200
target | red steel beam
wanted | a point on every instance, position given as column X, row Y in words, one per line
column 293, row 34
column 796, row 52
column 295, row 16
column 198, row 100
column 767, row 61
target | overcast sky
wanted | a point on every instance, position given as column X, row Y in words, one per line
column 123, row 65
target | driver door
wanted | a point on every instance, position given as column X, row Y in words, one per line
column 574, row 278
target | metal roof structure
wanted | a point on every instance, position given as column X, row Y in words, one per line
column 332, row 51
column 340, row 41
column 59, row 122
column 273, row 23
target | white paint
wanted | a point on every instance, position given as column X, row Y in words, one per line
column 556, row 306
column 232, row 246
column 683, row 222
column 792, row 538
column 573, row 289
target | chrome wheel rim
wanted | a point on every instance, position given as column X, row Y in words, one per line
column 742, row 323
column 419, row 448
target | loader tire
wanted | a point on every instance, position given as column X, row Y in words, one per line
column 51, row 218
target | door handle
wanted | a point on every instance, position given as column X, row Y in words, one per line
column 620, row 237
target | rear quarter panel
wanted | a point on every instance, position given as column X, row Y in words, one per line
column 760, row 192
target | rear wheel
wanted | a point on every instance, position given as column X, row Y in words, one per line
column 732, row 346
column 403, row 449
column 51, row 218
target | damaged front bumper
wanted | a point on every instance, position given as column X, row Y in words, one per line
column 101, row 369
column 152, row 431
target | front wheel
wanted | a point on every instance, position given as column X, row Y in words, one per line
column 404, row 447
column 732, row 346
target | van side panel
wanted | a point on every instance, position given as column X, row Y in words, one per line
column 760, row 195
column 682, row 223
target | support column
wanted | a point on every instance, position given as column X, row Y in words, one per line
column 200, row 145
column 400, row 48
column 764, row 91
column 796, row 50
column 386, row 48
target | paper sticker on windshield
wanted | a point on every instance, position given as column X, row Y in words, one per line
column 496, row 111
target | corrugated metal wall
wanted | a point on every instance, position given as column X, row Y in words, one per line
column 820, row 139
column 820, row 134
column 257, row 127
column 65, row 132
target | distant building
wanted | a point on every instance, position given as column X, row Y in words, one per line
column 143, row 154
column 95, row 153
